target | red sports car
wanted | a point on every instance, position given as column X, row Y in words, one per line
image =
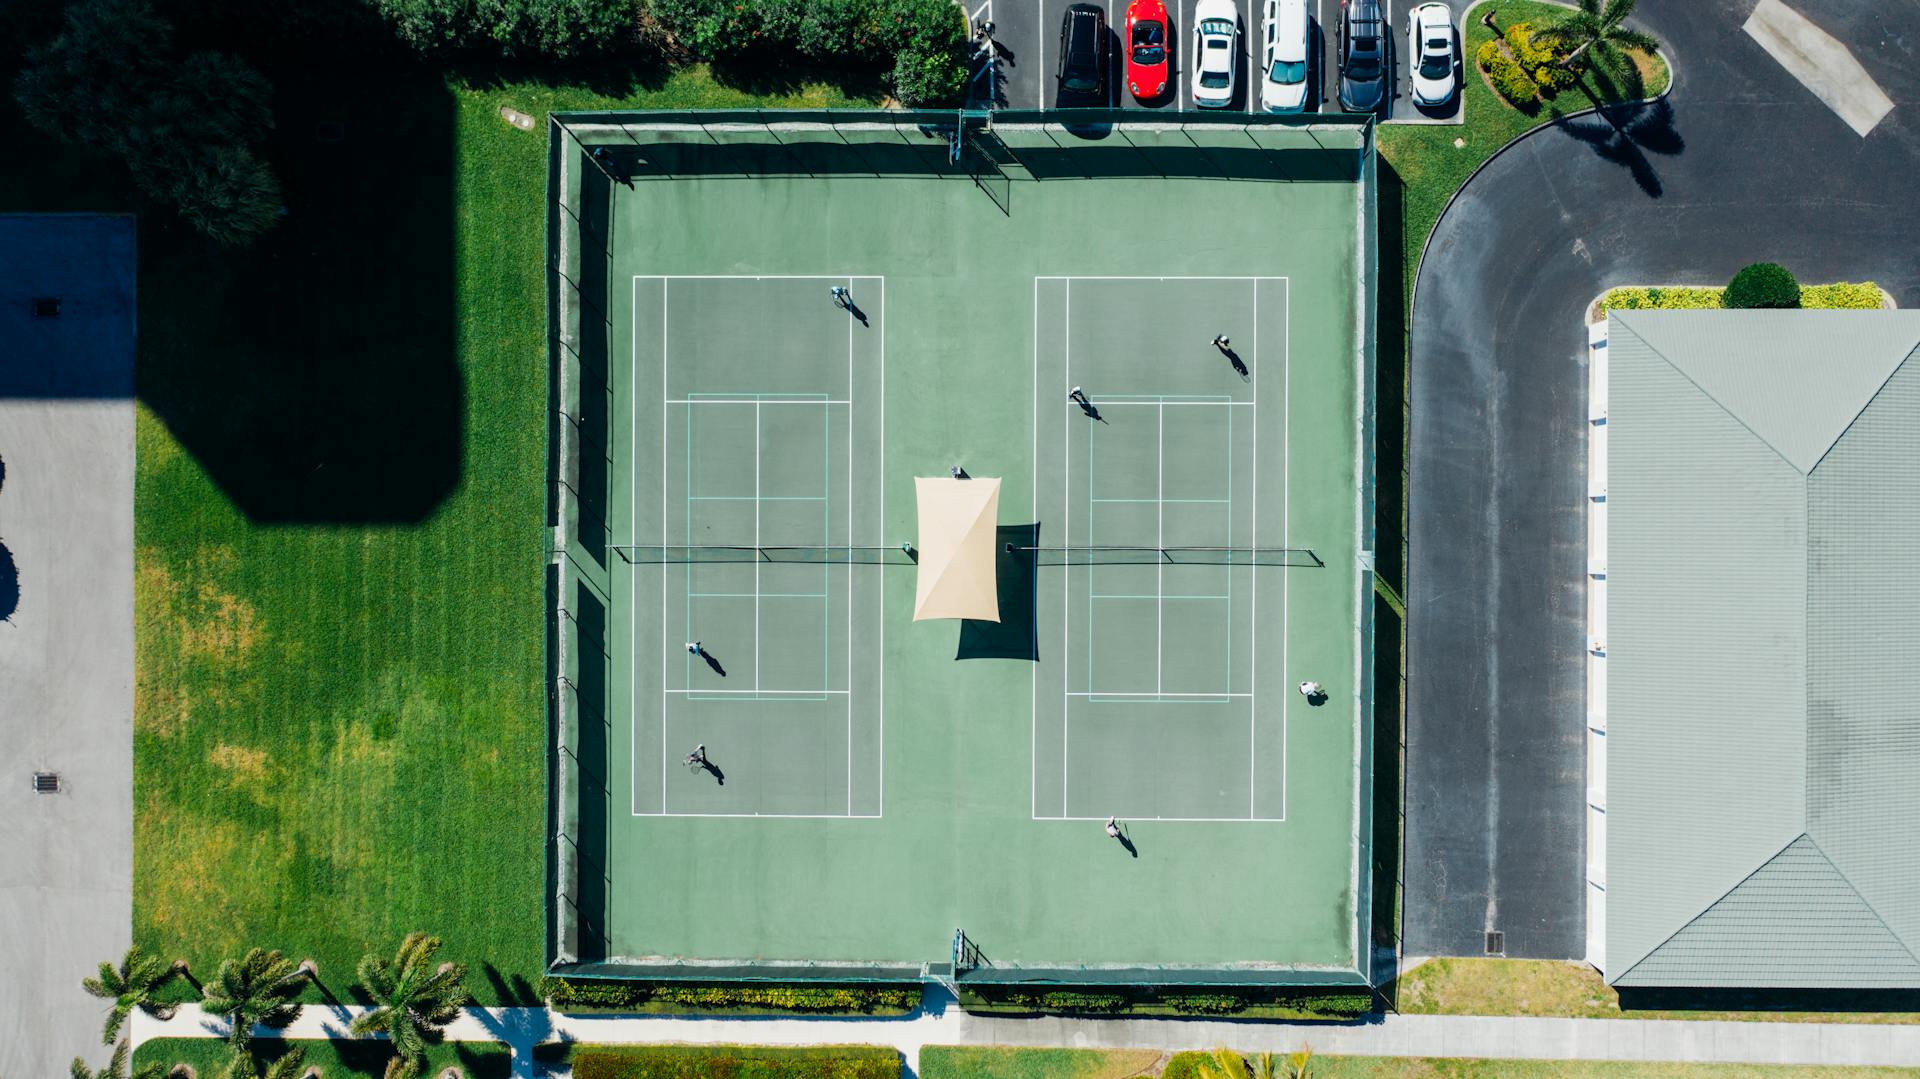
column 1147, row 44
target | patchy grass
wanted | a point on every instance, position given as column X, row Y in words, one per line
column 1008, row 1062
column 1551, row 988
column 479, row 1060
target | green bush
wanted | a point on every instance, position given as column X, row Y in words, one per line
column 564, row 994
column 555, row 29
column 1512, row 82
column 1189, row 1065
column 734, row 1062
column 1489, row 49
column 1763, row 284
column 1541, row 62
column 929, row 78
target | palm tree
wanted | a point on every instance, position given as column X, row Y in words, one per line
column 259, row 987
column 116, row 1067
column 131, row 985
column 1223, row 1064
column 1595, row 28
column 241, row 1066
column 416, row 999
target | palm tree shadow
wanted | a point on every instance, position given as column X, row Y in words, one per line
column 1626, row 134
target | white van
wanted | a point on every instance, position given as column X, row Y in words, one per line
column 1283, row 77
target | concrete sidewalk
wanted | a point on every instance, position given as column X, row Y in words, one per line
column 944, row 1024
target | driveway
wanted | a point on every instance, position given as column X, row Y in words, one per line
column 1744, row 165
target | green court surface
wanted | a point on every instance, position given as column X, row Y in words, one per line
column 870, row 783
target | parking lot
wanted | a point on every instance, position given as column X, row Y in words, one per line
column 1027, row 54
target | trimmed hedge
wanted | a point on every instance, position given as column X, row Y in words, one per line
column 555, row 29
column 565, row 994
column 1762, row 285
column 1263, row 1004
column 1843, row 296
column 1509, row 79
column 734, row 1062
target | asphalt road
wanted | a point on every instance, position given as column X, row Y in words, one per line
column 1744, row 164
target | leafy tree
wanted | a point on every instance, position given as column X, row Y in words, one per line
column 1594, row 32
column 415, row 998
column 1763, row 284
column 1222, row 1064
column 112, row 80
column 133, row 984
column 259, row 987
column 224, row 191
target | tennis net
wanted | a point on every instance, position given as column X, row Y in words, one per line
column 904, row 554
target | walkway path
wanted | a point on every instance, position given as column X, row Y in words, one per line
column 1742, row 164
column 1393, row 1035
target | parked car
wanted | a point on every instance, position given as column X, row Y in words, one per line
column 1083, row 54
column 1363, row 56
column 1436, row 75
column 1284, row 64
column 1216, row 52
column 1147, row 48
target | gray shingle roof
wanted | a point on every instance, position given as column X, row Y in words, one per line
column 1763, row 603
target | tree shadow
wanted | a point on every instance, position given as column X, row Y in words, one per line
column 766, row 77
column 1626, row 134
column 510, row 990
column 9, row 584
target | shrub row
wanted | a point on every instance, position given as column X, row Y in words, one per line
column 565, row 994
column 555, row 29
column 734, row 1062
column 923, row 42
column 1842, row 296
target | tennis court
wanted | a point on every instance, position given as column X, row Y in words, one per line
column 1157, row 709
column 767, row 402
column 1173, row 557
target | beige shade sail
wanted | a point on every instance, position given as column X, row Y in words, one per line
column 958, row 522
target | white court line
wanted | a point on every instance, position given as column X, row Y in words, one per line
column 1253, row 609
column 1143, row 695
column 1066, row 498
column 1160, row 564
column 665, row 285
column 1033, row 674
column 880, row 618
column 1070, row 278
column 754, row 401
column 762, row 692
column 849, row 314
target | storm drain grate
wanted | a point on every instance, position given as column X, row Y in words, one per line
column 1496, row 942
column 46, row 782
column 46, row 307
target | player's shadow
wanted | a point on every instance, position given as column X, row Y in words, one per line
column 713, row 770
column 1087, row 409
column 1015, row 636
column 854, row 310
column 1127, row 842
column 713, row 663
column 1317, row 699
column 1239, row 365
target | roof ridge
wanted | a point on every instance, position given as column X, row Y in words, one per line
column 1701, row 913
column 1722, row 405
column 1864, row 901
column 1878, row 390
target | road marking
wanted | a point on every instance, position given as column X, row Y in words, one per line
column 1821, row 64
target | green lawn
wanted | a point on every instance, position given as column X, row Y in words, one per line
column 996, row 1062
column 335, row 1059
column 340, row 730
column 1576, row 990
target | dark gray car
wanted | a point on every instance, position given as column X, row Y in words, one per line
column 1363, row 55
